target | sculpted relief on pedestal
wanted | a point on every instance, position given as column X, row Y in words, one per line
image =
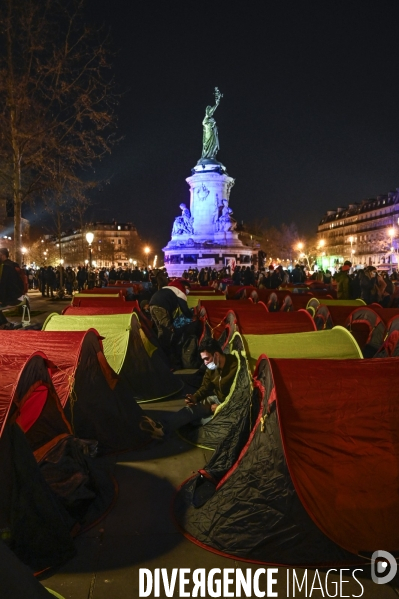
column 183, row 224
column 225, row 222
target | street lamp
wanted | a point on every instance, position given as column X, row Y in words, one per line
column 147, row 251
column 89, row 239
column 23, row 251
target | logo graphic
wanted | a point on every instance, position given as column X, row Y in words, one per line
column 384, row 563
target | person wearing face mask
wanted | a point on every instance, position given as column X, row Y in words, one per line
column 218, row 379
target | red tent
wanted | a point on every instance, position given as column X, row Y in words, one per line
column 272, row 323
column 340, row 429
column 315, row 483
column 104, row 291
column 104, row 302
column 86, row 386
column 216, row 312
column 121, row 308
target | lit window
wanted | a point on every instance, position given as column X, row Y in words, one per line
column 119, row 227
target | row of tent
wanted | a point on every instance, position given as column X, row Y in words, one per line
column 267, row 492
column 304, row 469
column 69, row 393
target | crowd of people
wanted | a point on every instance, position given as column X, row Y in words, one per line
column 364, row 282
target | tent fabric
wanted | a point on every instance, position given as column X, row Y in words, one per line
column 194, row 299
column 215, row 312
column 368, row 329
column 37, row 526
column 95, row 294
column 268, row 323
column 322, row 318
column 17, row 580
column 343, row 302
column 114, row 329
column 393, row 325
column 390, row 347
column 126, row 308
column 250, row 510
column 88, row 388
column 100, row 291
column 143, row 373
column 341, row 443
column 84, row 491
column 386, row 314
column 336, row 343
column 93, row 301
column 339, row 314
column 233, row 418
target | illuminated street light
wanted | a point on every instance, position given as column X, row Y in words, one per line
column 147, row 251
column 89, row 239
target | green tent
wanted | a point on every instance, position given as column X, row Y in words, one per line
column 141, row 366
column 335, row 302
column 336, row 343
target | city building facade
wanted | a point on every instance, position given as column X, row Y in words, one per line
column 367, row 233
column 113, row 243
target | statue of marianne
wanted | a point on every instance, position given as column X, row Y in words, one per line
column 210, row 138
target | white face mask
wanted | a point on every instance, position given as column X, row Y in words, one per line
column 212, row 365
column 187, row 291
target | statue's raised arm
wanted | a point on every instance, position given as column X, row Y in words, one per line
column 210, row 139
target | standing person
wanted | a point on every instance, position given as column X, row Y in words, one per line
column 81, row 277
column 162, row 278
column 11, row 284
column 51, row 281
column 69, row 280
column 342, row 278
column 297, row 275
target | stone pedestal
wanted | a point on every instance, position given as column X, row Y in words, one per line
column 211, row 243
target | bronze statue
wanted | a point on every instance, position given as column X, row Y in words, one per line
column 210, row 138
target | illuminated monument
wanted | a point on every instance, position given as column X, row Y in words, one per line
column 204, row 234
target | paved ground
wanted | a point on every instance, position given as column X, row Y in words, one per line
column 139, row 532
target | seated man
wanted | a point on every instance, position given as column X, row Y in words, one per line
column 216, row 386
column 11, row 284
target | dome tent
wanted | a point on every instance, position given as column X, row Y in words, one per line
column 276, row 504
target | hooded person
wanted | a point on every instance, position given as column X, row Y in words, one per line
column 165, row 305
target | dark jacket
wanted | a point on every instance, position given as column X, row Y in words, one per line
column 11, row 284
column 167, row 299
column 218, row 382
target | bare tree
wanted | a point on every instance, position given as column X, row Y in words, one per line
column 56, row 98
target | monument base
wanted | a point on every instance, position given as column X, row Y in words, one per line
column 178, row 260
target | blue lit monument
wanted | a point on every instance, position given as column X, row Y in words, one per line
column 205, row 234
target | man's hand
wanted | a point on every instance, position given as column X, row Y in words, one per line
column 190, row 401
column 214, row 407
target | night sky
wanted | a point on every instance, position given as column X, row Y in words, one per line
column 309, row 119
